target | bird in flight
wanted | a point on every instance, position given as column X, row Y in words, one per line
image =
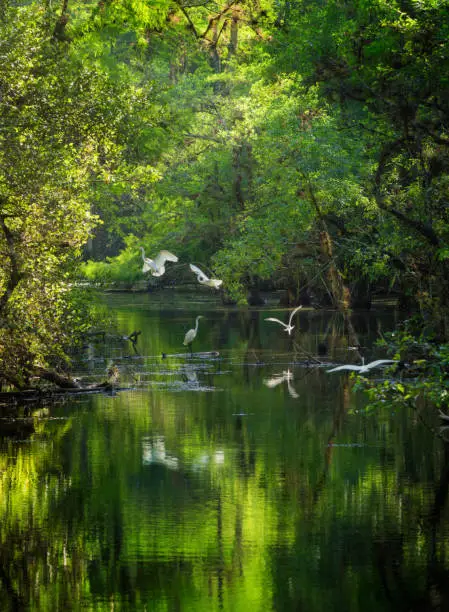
column 157, row 265
column 205, row 280
column 288, row 328
column 365, row 367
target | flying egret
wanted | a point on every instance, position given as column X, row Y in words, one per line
column 157, row 265
column 361, row 369
column 277, row 379
column 191, row 334
column 205, row 280
column 288, row 328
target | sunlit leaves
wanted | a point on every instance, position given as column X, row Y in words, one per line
column 65, row 126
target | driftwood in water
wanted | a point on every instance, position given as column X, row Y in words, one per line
column 62, row 381
column 64, row 385
column 36, row 395
column 133, row 337
column 206, row 354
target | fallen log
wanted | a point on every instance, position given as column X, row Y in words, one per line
column 64, row 385
column 205, row 354
column 61, row 380
column 36, row 395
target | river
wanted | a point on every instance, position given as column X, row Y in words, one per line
column 251, row 480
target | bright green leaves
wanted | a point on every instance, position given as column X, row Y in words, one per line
column 66, row 122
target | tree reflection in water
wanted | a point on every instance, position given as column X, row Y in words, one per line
column 232, row 496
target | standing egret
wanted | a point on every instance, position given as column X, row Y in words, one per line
column 157, row 265
column 191, row 334
column 205, row 280
column 364, row 367
column 288, row 328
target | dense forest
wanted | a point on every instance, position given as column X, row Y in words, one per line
column 296, row 145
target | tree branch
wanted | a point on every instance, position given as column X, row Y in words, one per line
column 60, row 25
column 424, row 229
column 200, row 137
column 15, row 275
column 217, row 17
column 187, row 16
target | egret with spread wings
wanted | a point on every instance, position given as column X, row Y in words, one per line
column 287, row 327
column 157, row 265
column 361, row 369
column 205, row 280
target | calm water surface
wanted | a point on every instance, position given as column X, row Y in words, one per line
column 248, row 481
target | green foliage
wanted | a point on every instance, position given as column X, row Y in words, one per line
column 64, row 129
column 232, row 135
column 424, row 377
column 126, row 267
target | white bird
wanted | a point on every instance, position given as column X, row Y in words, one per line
column 157, row 265
column 277, row 379
column 205, row 280
column 191, row 334
column 364, row 367
column 288, row 328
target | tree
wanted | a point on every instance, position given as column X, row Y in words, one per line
column 62, row 132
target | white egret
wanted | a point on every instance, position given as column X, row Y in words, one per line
column 191, row 334
column 205, row 280
column 277, row 379
column 157, row 265
column 361, row 369
column 288, row 328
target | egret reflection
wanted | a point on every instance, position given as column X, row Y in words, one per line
column 208, row 459
column 154, row 452
column 277, row 379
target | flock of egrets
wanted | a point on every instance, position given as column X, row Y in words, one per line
column 157, row 268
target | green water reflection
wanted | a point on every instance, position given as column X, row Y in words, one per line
column 204, row 488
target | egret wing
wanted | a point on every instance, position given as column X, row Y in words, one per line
column 274, row 381
column 291, row 389
column 293, row 313
column 347, row 366
column 276, row 321
column 378, row 362
column 201, row 276
column 164, row 256
column 189, row 337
